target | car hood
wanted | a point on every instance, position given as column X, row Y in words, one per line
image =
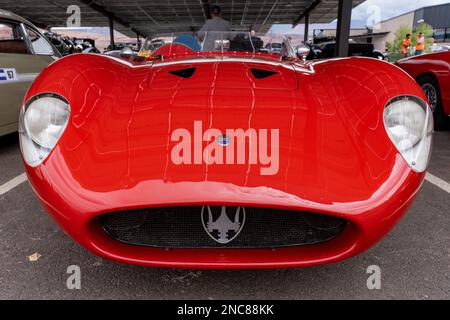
column 333, row 150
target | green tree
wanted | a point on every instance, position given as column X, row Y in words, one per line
column 395, row 46
column 400, row 34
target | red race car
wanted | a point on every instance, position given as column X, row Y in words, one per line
column 210, row 152
column 432, row 73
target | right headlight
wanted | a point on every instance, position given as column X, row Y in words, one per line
column 42, row 121
column 409, row 125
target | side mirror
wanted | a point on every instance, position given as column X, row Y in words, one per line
column 302, row 51
column 126, row 52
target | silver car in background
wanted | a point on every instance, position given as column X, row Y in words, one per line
column 24, row 53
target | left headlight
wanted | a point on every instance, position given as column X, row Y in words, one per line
column 409, row 125
column 42, row 122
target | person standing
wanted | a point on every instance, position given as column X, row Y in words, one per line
column 406, row 45
column 420, row 44
column 216, row 23
column 216, row 28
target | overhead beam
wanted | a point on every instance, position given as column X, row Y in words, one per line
column 270, row 12
column 306, row 12
column 40, row 24
column 153, row 17
column 108, row 14
column 101, row 9
column 244, row 13
column 343, row 27
column 111, row 31
column 305, row 39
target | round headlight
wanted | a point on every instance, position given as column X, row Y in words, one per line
column 409, row 125
column 45, row 120
column 42, row 122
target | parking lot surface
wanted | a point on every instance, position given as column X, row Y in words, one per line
column 414, row 258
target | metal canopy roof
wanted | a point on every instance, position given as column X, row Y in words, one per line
column 158, row 16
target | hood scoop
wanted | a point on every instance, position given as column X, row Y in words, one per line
column 261, row 73
column 217, row 73
column 183, row 73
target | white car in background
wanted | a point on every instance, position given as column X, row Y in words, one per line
column 24, row 52
column 440, row 47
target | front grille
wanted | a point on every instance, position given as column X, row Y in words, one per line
column 182, row 227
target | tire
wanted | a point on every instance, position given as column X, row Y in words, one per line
column 430, row 87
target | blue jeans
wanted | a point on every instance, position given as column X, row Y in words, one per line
column 419, row 52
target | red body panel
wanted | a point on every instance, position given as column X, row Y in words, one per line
column 335, row 155
column 437, row 64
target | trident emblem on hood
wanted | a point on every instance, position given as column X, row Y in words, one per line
column 223, row 229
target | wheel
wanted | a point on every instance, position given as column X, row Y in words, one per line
column 430, row 87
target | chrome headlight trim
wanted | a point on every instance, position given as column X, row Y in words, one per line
column 40, row 132
column 408, row 122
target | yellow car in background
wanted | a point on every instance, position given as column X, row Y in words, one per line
column 24, row 53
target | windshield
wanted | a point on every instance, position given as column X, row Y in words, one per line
column 221, row 42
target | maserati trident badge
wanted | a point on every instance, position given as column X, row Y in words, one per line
column 223, row 140
column 218, row 224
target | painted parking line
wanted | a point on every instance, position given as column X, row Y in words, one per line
column 444, row 185
column 11, row 184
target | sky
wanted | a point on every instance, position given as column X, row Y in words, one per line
column 369, row 12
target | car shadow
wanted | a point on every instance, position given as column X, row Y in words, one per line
column 9, row 141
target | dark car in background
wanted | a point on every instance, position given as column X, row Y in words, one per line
column 326, row 50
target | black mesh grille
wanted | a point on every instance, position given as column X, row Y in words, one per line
column 182, row 227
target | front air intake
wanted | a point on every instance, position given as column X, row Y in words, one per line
column 220, row 227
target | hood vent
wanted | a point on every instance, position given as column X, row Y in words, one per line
column 183, row 73
column 261, row 74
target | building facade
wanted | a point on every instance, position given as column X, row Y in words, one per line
column 436, row 16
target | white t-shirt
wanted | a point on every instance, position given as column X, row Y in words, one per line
column 216, row 24
column 211, row 31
